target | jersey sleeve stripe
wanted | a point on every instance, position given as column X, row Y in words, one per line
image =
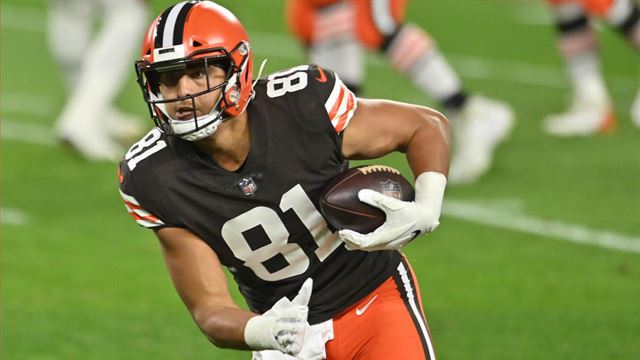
column 139, row 213
column 337, row 105
column 142, row 217
column 345, row 111
column 346, row 117
column 340, row 105
column 333, row 97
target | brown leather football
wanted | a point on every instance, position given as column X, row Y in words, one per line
column 339, row 202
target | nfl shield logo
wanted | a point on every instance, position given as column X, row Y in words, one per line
column 391, row 188
column 248, row 186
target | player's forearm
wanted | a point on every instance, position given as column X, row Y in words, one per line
column 224, row 326
column 428, row 148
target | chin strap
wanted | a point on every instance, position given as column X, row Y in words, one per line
column 262, row 65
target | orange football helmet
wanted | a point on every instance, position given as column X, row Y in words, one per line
column 191, row 34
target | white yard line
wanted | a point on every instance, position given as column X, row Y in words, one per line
column 31, row 104
column 507, row 218
column 535, row 13
column 9, row 216
column 27, row 132
column 540, row 14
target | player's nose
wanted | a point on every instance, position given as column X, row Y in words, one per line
column 185, row 86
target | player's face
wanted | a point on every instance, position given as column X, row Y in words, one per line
column 189, row 81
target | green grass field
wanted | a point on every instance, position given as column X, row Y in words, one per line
column 504, row 277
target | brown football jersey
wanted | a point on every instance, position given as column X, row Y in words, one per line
column 263, row 220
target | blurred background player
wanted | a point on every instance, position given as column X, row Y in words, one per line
column 335, row 32
column 591, row 110
column 95, row 68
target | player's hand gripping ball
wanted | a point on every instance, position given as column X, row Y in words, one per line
column 339, row 201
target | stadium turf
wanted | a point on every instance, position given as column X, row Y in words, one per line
column 81, row 281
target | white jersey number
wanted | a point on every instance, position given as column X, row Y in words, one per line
column 288, row 81
column 149, row 145
column 279, row 247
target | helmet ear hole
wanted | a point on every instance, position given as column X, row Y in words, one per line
column 196, row 43
column 233, row 97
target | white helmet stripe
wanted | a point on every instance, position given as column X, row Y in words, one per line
column 170, row 24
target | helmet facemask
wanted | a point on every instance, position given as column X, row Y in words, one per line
column 151, row 76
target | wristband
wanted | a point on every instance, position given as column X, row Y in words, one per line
column 430, row 187
column 258, row 334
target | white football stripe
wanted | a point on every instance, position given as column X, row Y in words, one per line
column 484, row 214
column 29, row 104
column 27, row 132
column 10, row 216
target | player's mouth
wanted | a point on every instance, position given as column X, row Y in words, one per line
column 185, row 113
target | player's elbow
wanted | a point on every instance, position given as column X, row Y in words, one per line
column 424, row 126
column 211, row 328
column 220, row 343
column 432, row 125
column 218, row 330
column 434, row 119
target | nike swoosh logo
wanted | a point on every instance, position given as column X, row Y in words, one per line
column 322, row 78
column 360, row 311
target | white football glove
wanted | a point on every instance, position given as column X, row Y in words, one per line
column 284, row 328
column 405, row 219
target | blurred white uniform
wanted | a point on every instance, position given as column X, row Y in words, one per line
column 95, row 68
column 336, row 33
column 591, row 110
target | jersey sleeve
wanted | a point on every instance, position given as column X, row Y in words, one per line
column 145, row 208
column 139, row 214
column 340, row 103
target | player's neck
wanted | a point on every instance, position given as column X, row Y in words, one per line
column 229, row 145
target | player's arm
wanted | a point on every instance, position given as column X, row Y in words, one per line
column 198, row 277
column 379, row 127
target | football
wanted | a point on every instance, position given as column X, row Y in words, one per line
column 339, row 201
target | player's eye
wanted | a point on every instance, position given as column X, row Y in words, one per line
column 196, row 74
column 170, row 78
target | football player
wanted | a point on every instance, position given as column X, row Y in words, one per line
column 95, row 68
column 335, row 33
column 231, row 176
column 591, row 111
